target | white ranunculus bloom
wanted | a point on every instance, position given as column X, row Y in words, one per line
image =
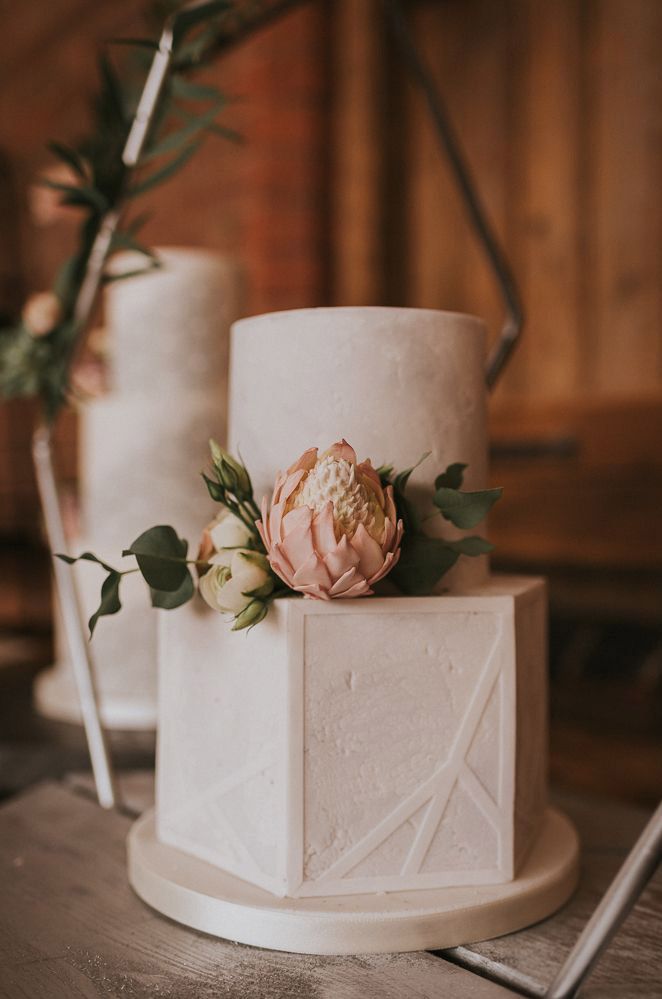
column 225, row 587
column 222, row 537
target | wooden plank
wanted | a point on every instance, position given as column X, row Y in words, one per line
column 626, row 196
column 356, row 121
column 71, row 927
column 435, row 222
column 543, row 133
column 632, row 965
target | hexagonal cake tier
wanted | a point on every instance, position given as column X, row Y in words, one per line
column 358, row 746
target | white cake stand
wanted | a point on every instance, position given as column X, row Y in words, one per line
column 205, row 898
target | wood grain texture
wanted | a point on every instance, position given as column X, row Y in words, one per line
column 356, row 167
column 72, row 928
column 632, row 965
column 625, row 201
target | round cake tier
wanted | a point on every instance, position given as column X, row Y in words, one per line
column 168, row 327
column 394, row 382
column 140, row 463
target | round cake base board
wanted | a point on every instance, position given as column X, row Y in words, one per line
column 55, row 696
column 206, row 898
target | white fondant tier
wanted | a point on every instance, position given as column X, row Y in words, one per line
column 168, row 328
column 394, row 382
column 123, row 652
column 142, row 448
column 141, row 460
column 355, row 746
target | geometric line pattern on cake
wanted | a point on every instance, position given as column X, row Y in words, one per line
column 436, row 790
column 205, row 810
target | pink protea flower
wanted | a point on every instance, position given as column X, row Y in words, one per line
column 332, row 530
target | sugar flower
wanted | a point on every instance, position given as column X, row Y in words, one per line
column 332, row 530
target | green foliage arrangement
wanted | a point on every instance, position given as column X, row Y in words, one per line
column 38, row 363
column 161, row 556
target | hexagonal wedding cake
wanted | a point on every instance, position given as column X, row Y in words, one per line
column 354, row 774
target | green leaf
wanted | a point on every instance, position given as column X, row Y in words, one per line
column 465, row 510
column 87, row 557
column 142, row 43
column 470, row 546
column 111, row 88
column 110, row 599
column 151, row 265
column 262, row 591
column 69, row 156
column 422, row 563
column 161, row 557
column 175, row 140
column 200, row 13
column 385, row 473
column 223, row 132
column 65, row 280
column 251, row 615
column 402, row 478
column 216, row 491
column 166, row 171
column 83, row 196
column 168, row 600
column 188, row 91
column 125, row 240
column 452, row 477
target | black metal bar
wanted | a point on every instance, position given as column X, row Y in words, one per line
column 477, row 216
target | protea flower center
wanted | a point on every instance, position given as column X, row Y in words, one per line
column 336, row 479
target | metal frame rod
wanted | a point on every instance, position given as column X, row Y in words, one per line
column 637, row 870
column 450, row 144
column 72, row 618
column 42, row 454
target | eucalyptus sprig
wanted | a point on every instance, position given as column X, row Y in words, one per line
column 424, row 560
column 32, row 365
column 161, row 556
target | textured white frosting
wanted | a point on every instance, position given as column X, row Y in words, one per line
column 357, row 746
column 142, row 448
column 394, row 382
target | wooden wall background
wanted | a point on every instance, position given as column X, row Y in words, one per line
column 340, row 195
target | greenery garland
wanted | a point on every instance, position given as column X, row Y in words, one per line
column 36, row 361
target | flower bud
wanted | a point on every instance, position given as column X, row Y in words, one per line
column 41, row 313
column 252, row 615
column 231, row 474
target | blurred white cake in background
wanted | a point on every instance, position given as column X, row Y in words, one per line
column 142, row 447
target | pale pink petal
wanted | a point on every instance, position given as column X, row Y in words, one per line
column 305, row 462
column 275, row 519
column 263, row 524
column 206, row 549
column 389, row 562
column 280, row 563
column 315, row 592
column 346, row 581
column 389, row 505
column 341, row 449
column 312, row 572
column 290, row 485
column 360, row 589
column 371, row 479
column 301, row 516
column 342, row 558
column 281, row 479
column 389, row 534
column 324, row 535
column 369, row 552
column 297, row 545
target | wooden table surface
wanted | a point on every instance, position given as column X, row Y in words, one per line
column 71, row 927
